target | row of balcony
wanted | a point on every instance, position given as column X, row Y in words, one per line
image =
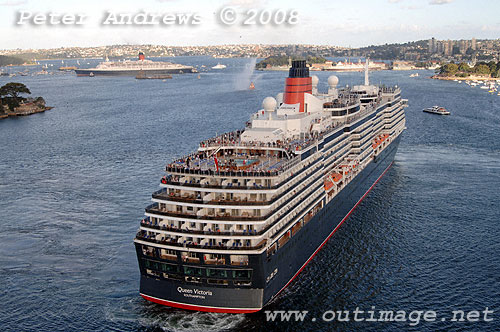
column 239, row 173
column 236, row 201
column 156, row 226
column 155, row 209
column 234, row 260
column 143, row 236
column 147, row 223
column 199, row 183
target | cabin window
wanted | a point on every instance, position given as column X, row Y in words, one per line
column 193, row 271
column 242, row 274
column 169, row 268
column 217, row 273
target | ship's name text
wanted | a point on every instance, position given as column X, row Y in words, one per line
column 188, row 292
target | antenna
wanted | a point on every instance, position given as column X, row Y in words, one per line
column 367, row 81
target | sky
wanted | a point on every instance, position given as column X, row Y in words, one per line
column 348, row 23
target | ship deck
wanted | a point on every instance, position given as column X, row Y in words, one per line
column 235, row 163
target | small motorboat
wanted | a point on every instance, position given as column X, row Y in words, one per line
column 437, row 110
column 219, row 66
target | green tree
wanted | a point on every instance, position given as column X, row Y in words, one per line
column 464, row 68
column 493, row 68
column 497, row 73
column 449, row 69
column 10, row 60
column 10, row 94
column 482, row 69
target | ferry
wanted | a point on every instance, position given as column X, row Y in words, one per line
column 236, row 221
column 135, row 67
column 436, row 110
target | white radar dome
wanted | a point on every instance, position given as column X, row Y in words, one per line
column 269, row 104
column 314, row 80
column 279, row 98
column 333, row 81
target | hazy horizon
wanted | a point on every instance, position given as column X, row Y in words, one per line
column 333, row 23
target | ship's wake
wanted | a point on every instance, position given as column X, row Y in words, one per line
column 152, row 317
column 182, row 321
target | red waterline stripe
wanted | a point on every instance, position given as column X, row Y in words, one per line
column 199, row 308
column 336, row 228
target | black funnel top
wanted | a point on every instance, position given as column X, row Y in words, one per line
column 298, row 69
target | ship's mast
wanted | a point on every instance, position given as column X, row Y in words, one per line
column 367, row 81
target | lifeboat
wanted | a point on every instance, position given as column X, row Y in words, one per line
column 336, row 176
column 328, row 184
column 331, row 179
column 379, row 140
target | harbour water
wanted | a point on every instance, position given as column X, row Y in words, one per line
column 75, row 180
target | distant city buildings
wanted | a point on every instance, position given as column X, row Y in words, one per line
column 220, row 51
column 464, row 49
column 419, row 51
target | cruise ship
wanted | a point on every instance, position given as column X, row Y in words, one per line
column 236, row 221
column 142, row 66
column 349, row 66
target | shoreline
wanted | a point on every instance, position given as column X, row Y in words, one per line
column 468, row 78
column 24, row 113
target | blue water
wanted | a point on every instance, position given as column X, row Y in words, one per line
column 74, row 182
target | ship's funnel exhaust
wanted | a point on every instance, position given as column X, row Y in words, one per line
column 141, row 56
column 297, row 83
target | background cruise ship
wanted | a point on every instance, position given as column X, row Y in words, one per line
column 347, row 66
column 135, row 67
column 235, row 222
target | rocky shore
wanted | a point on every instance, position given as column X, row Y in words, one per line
column 27, row 108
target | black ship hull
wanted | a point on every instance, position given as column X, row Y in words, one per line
column 94, row 72
column 270, row 274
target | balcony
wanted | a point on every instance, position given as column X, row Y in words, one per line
column 220, row 261
column 143, row 236
column 155, row 226
column 162, row 194
column 154, row 208
column 168, row 257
